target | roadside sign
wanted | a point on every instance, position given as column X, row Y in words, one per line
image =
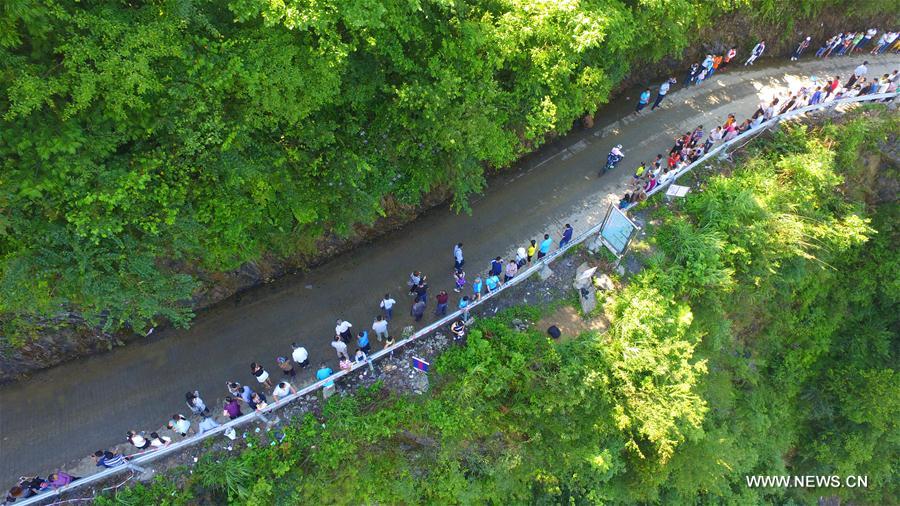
column 617, row 231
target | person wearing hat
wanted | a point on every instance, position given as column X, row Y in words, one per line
column 286, row 367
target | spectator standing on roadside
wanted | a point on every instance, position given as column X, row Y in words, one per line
column 492, row 282
column 511, row 269
column 286, row 366
column 441, row 309
column 208, row 424
column 643, row 100
column 871, row 32
column 816, row 96
column 729, row 56
column 758, row 50
column 832, row 86
column 387, row 304
column 262, row 376
column 157, row 441
column 496, row 266
column 108, row 459
column 531, row 250
column 418, row 310
column 340, row 347
column 464, row 306
column 663, row 90
column 259, row 401
column 179, row 424
column 459, row 279
column 380, row 327
column 232, row 408
column 282, row 390
column 422, row 291
column 521, row 257
column 244, row 392
column 856, row 40
column 458, row 259
column 859, row 72
column 476, row 288
column 545, row 246
column 566, row 235
column 800, row 48
column 195, row 403
column 362, row 340
column 414, row 278
column 57, row 480
column 300, row 355
column 359, row 356
column 343, row 329
column 323, row 372
column 137, row 440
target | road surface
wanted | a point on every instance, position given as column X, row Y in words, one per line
column 60, row 415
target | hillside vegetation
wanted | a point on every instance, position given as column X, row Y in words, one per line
column 758, row 339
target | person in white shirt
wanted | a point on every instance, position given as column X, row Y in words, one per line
column 207, row 424
column 387, row 303
column 458, row 260
column 663, row 90
column 380, row 326
column 300, row 355
column 343, row 329
column 283, row 389
column 158, row 441
column 340, row 347
column 859, row 72
column 756, row 53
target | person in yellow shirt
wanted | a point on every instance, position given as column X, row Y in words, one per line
column 531, row 250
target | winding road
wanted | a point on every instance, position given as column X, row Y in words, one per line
column 57, row 417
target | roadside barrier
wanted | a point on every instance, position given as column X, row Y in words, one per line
column 135, row 464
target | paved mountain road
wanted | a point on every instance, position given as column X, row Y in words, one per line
column 62, row 414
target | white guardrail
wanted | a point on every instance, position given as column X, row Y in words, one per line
column 135, row 462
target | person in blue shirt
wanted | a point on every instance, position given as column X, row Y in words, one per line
column 496, row 266
column 362, row 340
column 476, row 288
column 324, row 372
column 492, row 282
column 566, row 235
column 464, row 305
column 545, row 246
column 643, row 100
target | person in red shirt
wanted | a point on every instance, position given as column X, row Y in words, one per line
column 831, row 87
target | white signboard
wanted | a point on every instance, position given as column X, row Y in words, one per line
column 617, row 231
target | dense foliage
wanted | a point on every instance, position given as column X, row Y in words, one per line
column 759, row 339
column 144, row 142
